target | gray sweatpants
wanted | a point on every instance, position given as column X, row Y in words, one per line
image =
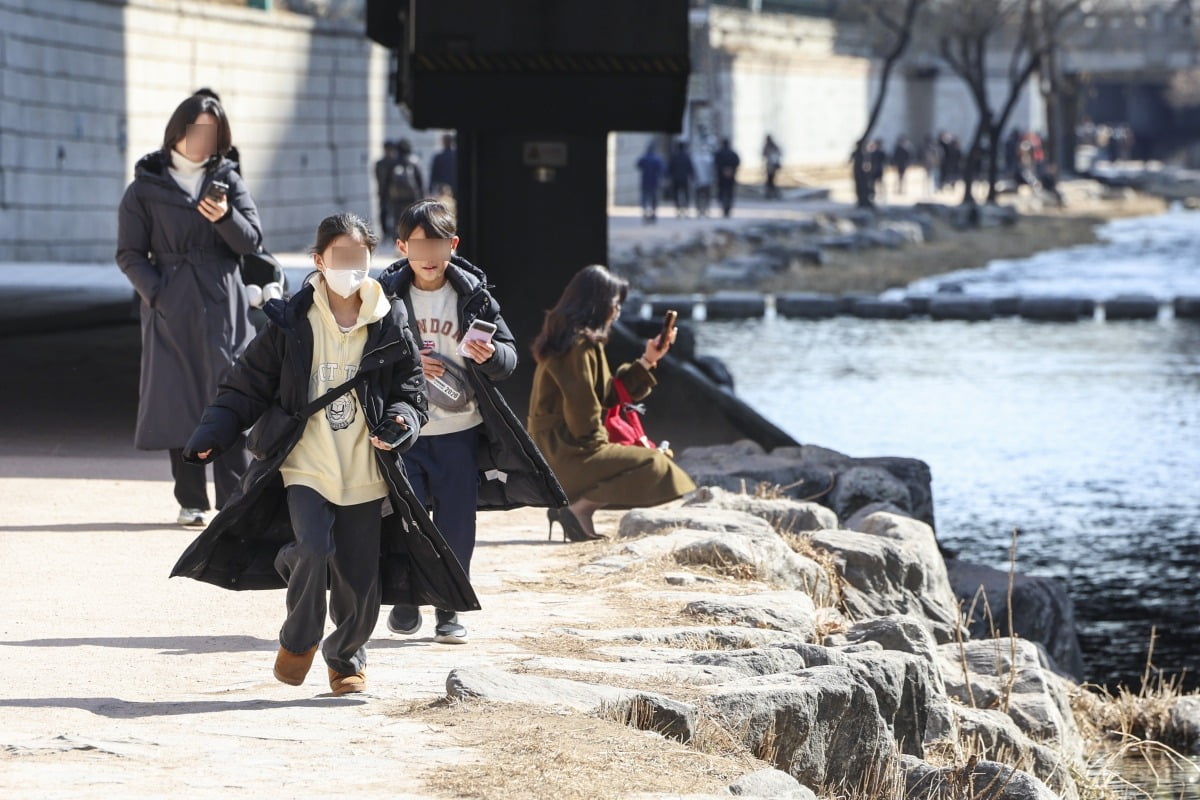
column 336, row 546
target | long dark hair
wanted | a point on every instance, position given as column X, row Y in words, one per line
column 187, row 112
column 585, row 307
column 341, row 224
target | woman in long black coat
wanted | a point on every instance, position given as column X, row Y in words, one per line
column 179, row 243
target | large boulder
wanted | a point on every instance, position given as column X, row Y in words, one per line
column 893, row 567
column 990, row 733
column 784, row 514
column 909, row 694
column 897, row 632
column 833, row 479
column 781, row 611
column 984, row 780
column 743, row 465
column 695, row 638
column 643, row 710
column 822, row 725
column 860, row 485
column 1042, row 611
column 1016, row 676
column 751, row 663
column 746, row 553
column 912, row 472
column 634, row 670
column 647, row 521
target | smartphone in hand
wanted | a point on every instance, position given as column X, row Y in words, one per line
column 390, row 433
column 664, row 337
column 480, row 331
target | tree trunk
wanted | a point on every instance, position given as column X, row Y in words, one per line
column 861, row 191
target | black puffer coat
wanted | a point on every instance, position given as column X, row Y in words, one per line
column 237, row 550
column 194, row 306
column 512, row 471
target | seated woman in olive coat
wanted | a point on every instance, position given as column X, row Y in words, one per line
column 572, row 386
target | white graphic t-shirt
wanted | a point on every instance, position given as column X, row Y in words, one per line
column 436, row 313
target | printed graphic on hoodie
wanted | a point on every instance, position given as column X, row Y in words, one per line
column 340, row 414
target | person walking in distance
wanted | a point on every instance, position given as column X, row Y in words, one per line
column 902, row 157
column 681, row 173
column 443, row 170
column 727, row 163
column 406, row 185
column 651, row 167
column 772, row 161
column 706, row 174
column 383, row 179
column 183, row 224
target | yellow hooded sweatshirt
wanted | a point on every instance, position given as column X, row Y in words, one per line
column 335, row 456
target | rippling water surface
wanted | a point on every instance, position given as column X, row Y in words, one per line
column 1083, row 436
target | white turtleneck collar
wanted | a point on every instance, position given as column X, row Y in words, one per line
column 187, row 173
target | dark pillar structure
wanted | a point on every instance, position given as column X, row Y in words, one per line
column 533, row 211
column 533, row 88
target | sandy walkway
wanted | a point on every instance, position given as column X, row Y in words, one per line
column 117, row 682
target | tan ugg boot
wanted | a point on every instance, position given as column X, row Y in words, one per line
column 345, row 684
column 292, row 667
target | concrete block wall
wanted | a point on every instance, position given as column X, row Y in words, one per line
column 806, row 82
column 88, row 87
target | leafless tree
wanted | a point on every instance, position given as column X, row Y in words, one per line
column 968, row 32
column 888, row 28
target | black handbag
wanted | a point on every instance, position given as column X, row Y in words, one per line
column 277, row 427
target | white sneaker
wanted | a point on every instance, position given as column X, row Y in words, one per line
column 191, row 517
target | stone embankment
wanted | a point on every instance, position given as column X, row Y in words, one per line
column 828, row 638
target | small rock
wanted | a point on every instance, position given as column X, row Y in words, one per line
column 686, row 578
column 858, row 486
column 1184, row 727
column 773, row 783
column 652, row 712
column 1038, row 700
column 858, row 518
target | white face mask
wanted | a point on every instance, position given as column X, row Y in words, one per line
column 345, row 282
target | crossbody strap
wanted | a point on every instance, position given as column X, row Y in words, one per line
column 327, row 398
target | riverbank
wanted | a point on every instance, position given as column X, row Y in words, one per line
column 822, row 244
column 720, row 641
column 949, row 249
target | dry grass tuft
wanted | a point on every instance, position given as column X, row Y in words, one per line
column 802, row 544
column 529, row 752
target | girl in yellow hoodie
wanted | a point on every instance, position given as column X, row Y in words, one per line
column 341, row 485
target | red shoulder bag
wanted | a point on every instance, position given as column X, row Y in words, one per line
column 624, row 420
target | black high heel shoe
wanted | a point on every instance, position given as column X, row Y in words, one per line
column 571, row 526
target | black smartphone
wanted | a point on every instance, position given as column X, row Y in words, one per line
column 217, row 190
column 668, row 325
column 390, row 433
